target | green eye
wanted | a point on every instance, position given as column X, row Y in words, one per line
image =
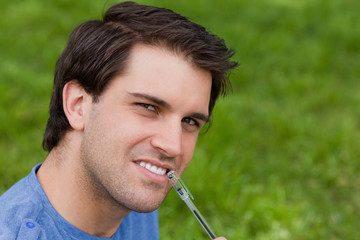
column 191, row 121
column 148, row 106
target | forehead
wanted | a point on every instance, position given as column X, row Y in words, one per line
column 159, row 72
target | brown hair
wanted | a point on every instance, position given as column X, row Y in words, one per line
column 97, row 51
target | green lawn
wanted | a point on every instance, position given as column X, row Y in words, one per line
column 281, row 160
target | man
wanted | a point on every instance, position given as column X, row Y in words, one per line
column 131, row 93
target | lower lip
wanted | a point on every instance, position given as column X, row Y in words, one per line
column 161, row 179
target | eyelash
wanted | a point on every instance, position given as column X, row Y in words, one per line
column 196, row 123
column 146, row 106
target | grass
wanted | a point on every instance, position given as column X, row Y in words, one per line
column 281, row 158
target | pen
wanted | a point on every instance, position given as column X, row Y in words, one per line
column 186, row 196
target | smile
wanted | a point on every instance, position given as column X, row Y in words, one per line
column 152, row 168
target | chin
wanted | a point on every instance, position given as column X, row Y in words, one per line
column 146, row 207
column 143, row 203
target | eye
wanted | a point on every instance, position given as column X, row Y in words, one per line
column 191, row 122
column 148, row 107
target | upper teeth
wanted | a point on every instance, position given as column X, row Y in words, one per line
column 152, row 168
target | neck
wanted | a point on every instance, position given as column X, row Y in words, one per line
column 71, row 194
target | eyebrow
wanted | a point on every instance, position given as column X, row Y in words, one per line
column 165, row 104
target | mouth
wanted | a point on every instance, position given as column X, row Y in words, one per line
column 153, row 168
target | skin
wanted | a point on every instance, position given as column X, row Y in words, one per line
column 152, row 113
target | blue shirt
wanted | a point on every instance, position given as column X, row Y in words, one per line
column 26, row 213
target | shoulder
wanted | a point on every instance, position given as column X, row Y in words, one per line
column 19, row 200
column 22, row 199
column 20, row 208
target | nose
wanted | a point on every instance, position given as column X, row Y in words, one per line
column 168, row 139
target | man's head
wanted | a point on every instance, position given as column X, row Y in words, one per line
column 144, row 124
column 99, row 51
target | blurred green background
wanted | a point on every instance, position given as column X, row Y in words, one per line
column 281, row 160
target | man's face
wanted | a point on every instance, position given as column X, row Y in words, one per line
column 145, row 123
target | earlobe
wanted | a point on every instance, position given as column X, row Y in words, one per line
column 73, row 103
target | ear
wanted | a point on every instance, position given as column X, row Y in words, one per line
column 74, row 100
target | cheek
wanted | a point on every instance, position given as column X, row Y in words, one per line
column 122, row 124
column 189, row 147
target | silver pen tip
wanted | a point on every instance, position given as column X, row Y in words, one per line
column 171, row 174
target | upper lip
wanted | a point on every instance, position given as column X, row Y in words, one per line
column 168, row 166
